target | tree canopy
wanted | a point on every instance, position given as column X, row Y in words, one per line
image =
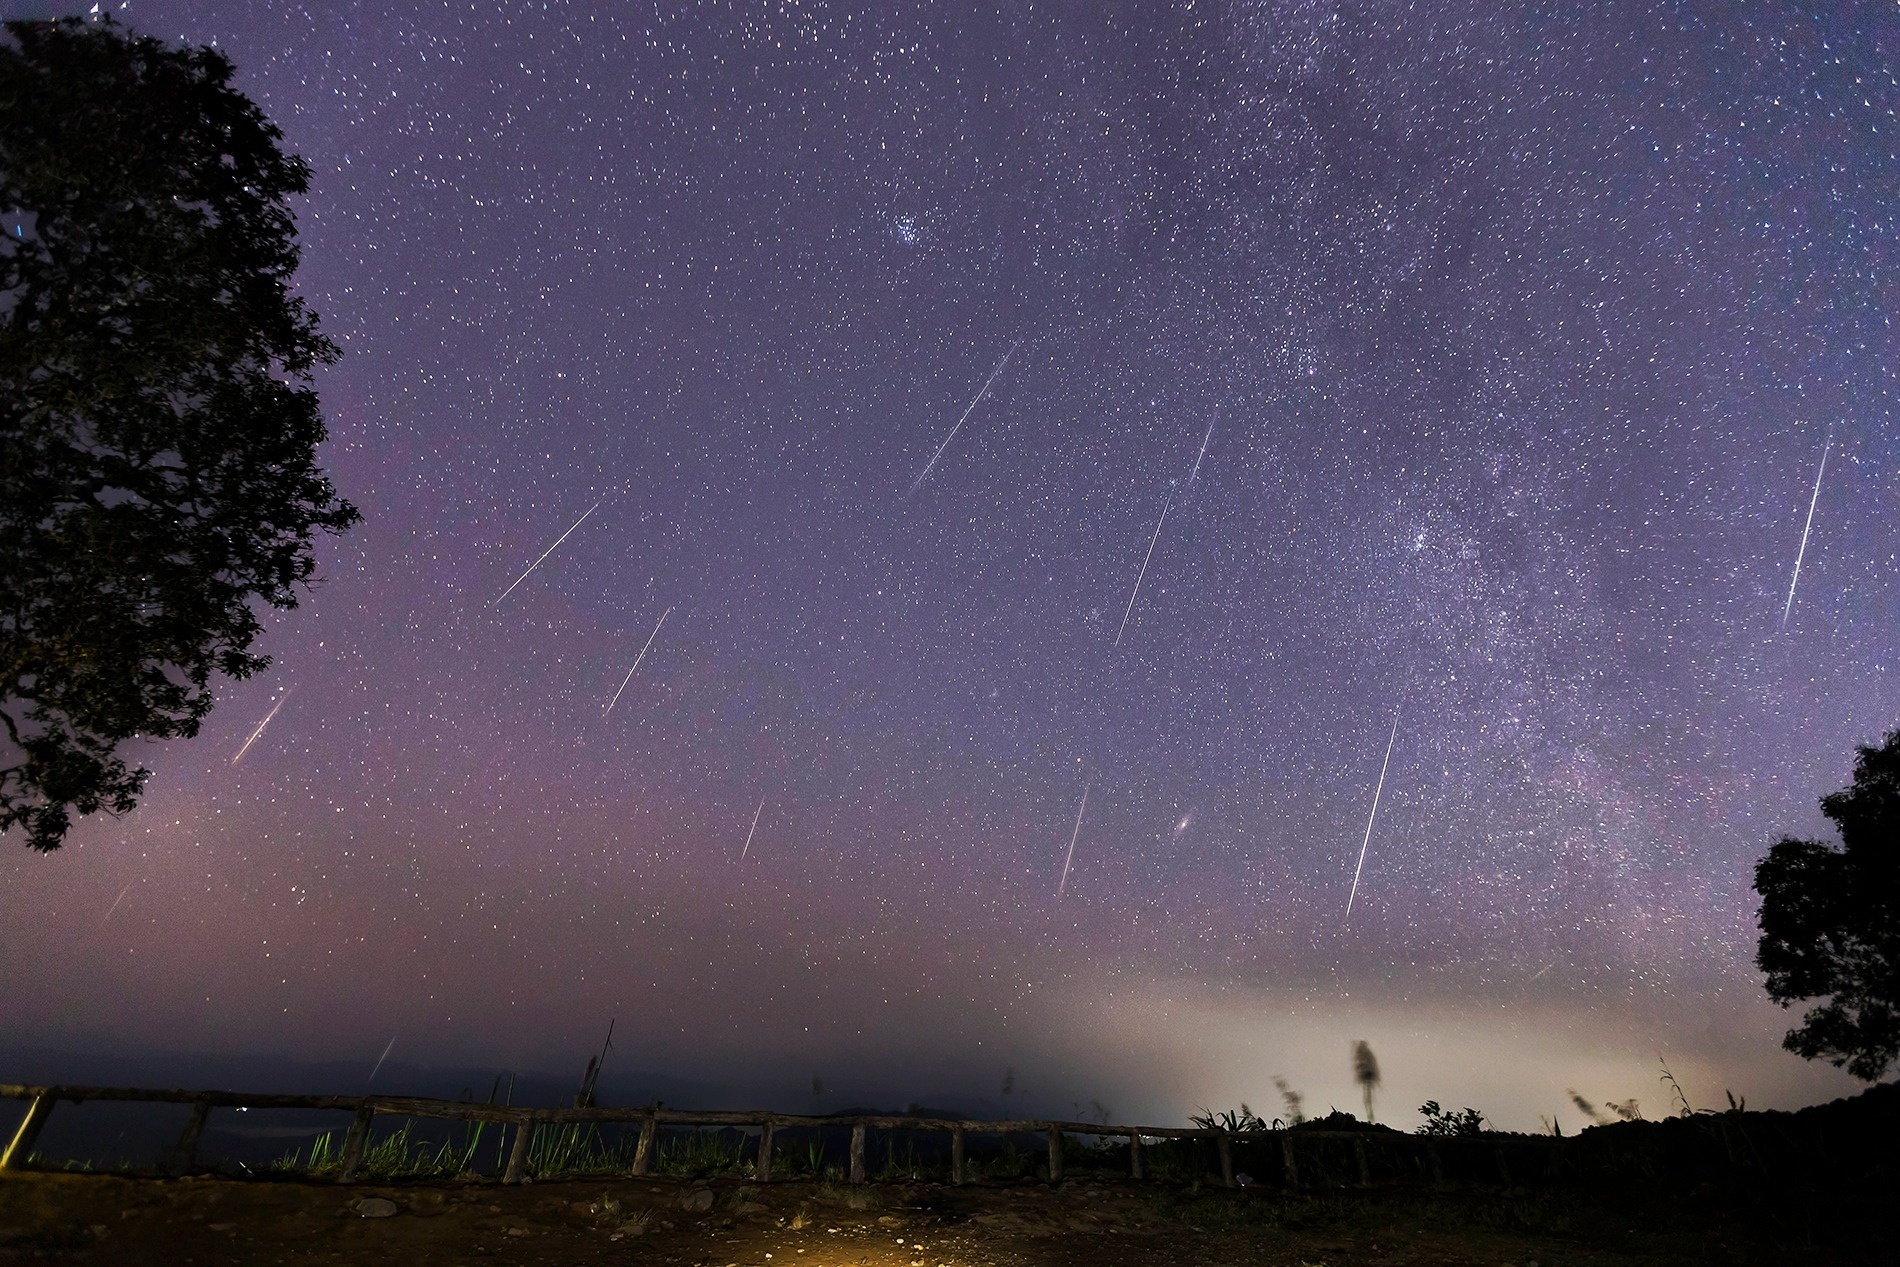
column 158, row 427
column 1830, row 923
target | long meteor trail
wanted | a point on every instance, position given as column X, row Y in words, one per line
column 1063, row 883
column 545, row 553
column 1805, row 530
column 636, row 661
column 755, row 827
column 974, row 401
column 1136, row 592
column 260, row 728
column 1370, row 818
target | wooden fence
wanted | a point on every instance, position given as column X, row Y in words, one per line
column 1425, row 1156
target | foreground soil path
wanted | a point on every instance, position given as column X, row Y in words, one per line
column 715, row 1223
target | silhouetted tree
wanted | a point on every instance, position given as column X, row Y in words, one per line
column 158, row 431
column 1830, row 923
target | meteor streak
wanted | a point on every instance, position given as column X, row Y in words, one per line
column 260, row 729
column 1063, row 883
column 1196, row 472
column 380, row 1059
column 545, row 553
column 636, row 661
column 1377, row 792
column 1806, row 528
column 1136, row 592
column 974, row 401
column 115, row 901
column 755, row 827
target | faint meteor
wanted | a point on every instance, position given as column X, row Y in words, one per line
column 380, row 1059
column 1196, row 472
column 260, row 728
column 755, row 827
column 1063, row 883
column 1136, row 592
column 974, row 401
column 115, row 901
column 636, row 661
column 1805, row 530
column 1377, row 792
column 545, row 553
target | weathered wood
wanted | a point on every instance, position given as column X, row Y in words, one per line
column 518, row 1155
column 1359, row 1155
column 956, row 1155
column 354, row 1144
column 652, row 1119
column 1055, row 1154
column 857, row 1153
column 643, row 1151
column 763, row 1171
column 29, row 1133
column 184, row 1154
column 1224, row 1144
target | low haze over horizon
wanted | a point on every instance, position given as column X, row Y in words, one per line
column 1135, row 545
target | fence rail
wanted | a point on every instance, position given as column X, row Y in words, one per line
column 526, row 1119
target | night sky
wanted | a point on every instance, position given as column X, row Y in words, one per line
column 998, row 406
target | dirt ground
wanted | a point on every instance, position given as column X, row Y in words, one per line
column 106, row 1219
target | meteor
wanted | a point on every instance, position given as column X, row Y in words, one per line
column 636, row 661
column 1196, row 472
column 755, row 827
column 380, row 1059
column 260, row 728
column 115, row 901
column 1805, row 530
column 1063, row 883
column 545, row 553
column 1136, row 592
column 974, row 400
column 1377, row 792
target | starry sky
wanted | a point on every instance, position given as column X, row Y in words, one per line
column 1228, row 413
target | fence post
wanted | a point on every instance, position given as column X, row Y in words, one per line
column 1438, row 1164
column 1359, row 1155
column 643, row 1151
column 184, row 1154
column 763, row 1171
column 354, row 1143
column 857, row 1153
column 1055, row 1155
column 956, row 1154
column 1504, row 1167
column 518, row 1155
column 1286, row 1160
column 29, row 1133
column 1224, row 1145
column 1134, row 1154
